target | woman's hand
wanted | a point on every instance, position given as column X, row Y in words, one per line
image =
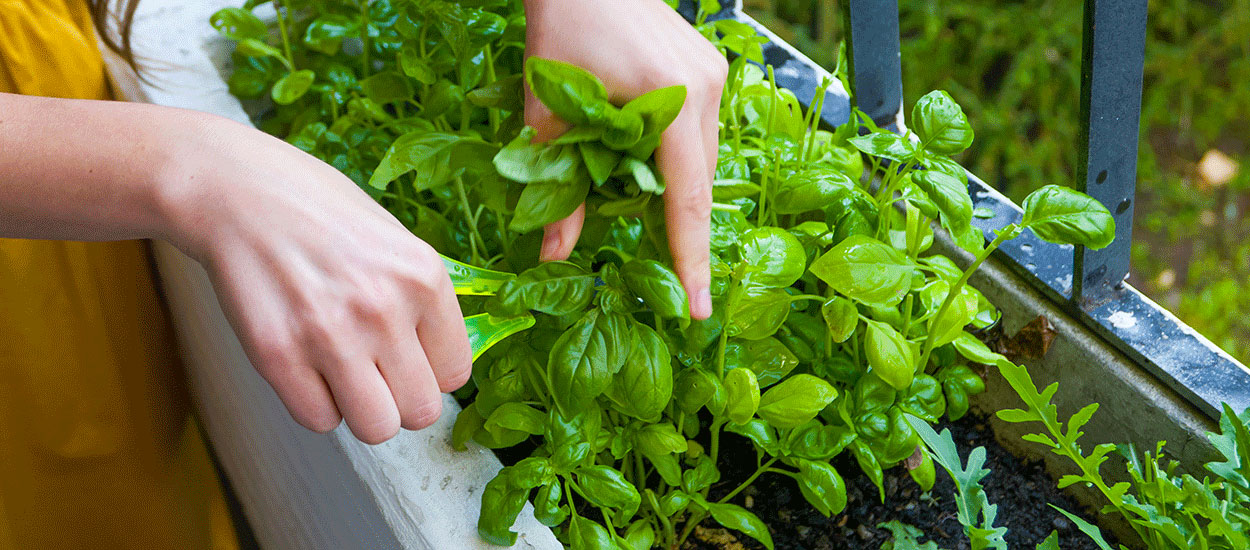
column 636, row 46
column 340, row 308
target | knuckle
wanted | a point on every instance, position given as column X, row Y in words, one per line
column 423, row 415
column 695, row 206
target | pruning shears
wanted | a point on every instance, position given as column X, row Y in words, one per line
column 485, row 330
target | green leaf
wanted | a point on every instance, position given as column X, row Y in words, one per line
column 623, row 129
column 585, row 357
column 605, row 486
column 811, row 189
column 255, row 47
column 517, row 417
column 436, row 157
column 291, row 86
column 973, row 349
column 526, row 162
column 948, row 194
column 767, row 358
column 506, row 94
column 599, row 160
column 589, row 535
column 960, row 313
column 742, row 395
column 924, row 474
column 554, row 288
column 547, row 508
column 694, row 388
column 501, row 504
column 467, row 424
column 739, row 519
column 572, row 93
column 775, row 257
column 646, row 179
column 795, row 400
column 639, row 536
column 544, row 203
column 885, row 144
column 486, row 330
column 866, row 270
column 327, row 32
column 644, row 385
column 658, row 287
column 387, row 87
column 1086, row 527
column 905, row 537
column 890, row 355
column 941, row 124
column 841, row 316
column 238, row 24
column 1061, row 215
column 657, row 108
column 822, row 487
column 758, row 313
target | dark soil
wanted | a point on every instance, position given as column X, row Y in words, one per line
column 1021, row 489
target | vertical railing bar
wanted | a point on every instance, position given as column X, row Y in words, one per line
column 1113, row 54
column 875, row 64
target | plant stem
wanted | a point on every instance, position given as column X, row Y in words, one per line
column 758, row 472
column 468, row 217
column 286, row 42
column 365, row 64
column 1004, row 235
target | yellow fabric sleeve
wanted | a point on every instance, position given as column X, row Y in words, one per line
column 97, row 445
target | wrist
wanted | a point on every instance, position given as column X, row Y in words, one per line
column 182, row 193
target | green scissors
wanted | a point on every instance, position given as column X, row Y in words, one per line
column 485, row 330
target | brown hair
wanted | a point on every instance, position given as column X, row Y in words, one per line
column 116, row 38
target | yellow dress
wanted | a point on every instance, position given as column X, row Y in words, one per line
column 97, row 446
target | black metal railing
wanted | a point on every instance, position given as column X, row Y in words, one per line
column 1087, row 283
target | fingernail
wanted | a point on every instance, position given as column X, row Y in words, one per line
column 701, row 304
column 551, row 243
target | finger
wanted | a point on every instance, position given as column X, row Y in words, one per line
column 682, row 160
column 364, row 399
column 306, row 396
column 413, row 386
column 560, row 237
column 440, row 327
column 545, row 123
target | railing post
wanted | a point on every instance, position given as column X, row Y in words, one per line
column 873, row 54
column 1113, row 53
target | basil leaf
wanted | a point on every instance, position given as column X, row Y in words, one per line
column 547, row 508
column 501, row 505
column 554, row 288
column 291, row 86
column 623, row 129
column 572, row 93
column 758, row 313
column 639, row 536
column 841, row 316
column 585, row 357
column 526, row 162
column 739, row 519
column 742, row 395
column 589, row 535
column 941, row 123
column 658, row 287
column 948, row 194
column 1061, row 215
column 657, row 109
column 647, row 180
column 866, row 270
column 327, row 32
column 811, row 189
column 822, row 487
column 644, row 385
column 605, row 486
column 775, row 257
column 544, row 203
column 387, row 87
column 960, row 313
column 238, row 24
column 759, row 432
column 505, row 94
column 435, row 156
column 600, row 161
column 885, row 144
column 975, row 350
column 889, row 354
column 767, row 358
column 795, row 400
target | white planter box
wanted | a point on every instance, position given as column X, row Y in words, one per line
column 298, row 489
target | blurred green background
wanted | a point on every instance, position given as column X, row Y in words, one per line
column 1014, row 66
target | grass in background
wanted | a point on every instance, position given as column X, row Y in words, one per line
column 1015, row 68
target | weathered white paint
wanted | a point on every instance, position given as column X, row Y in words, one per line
column 298, row 489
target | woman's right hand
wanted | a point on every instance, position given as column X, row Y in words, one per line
column 339, row 307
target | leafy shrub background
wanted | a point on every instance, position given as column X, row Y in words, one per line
column 1015, row 68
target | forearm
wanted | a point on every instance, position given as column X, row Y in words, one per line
column 89, row 170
